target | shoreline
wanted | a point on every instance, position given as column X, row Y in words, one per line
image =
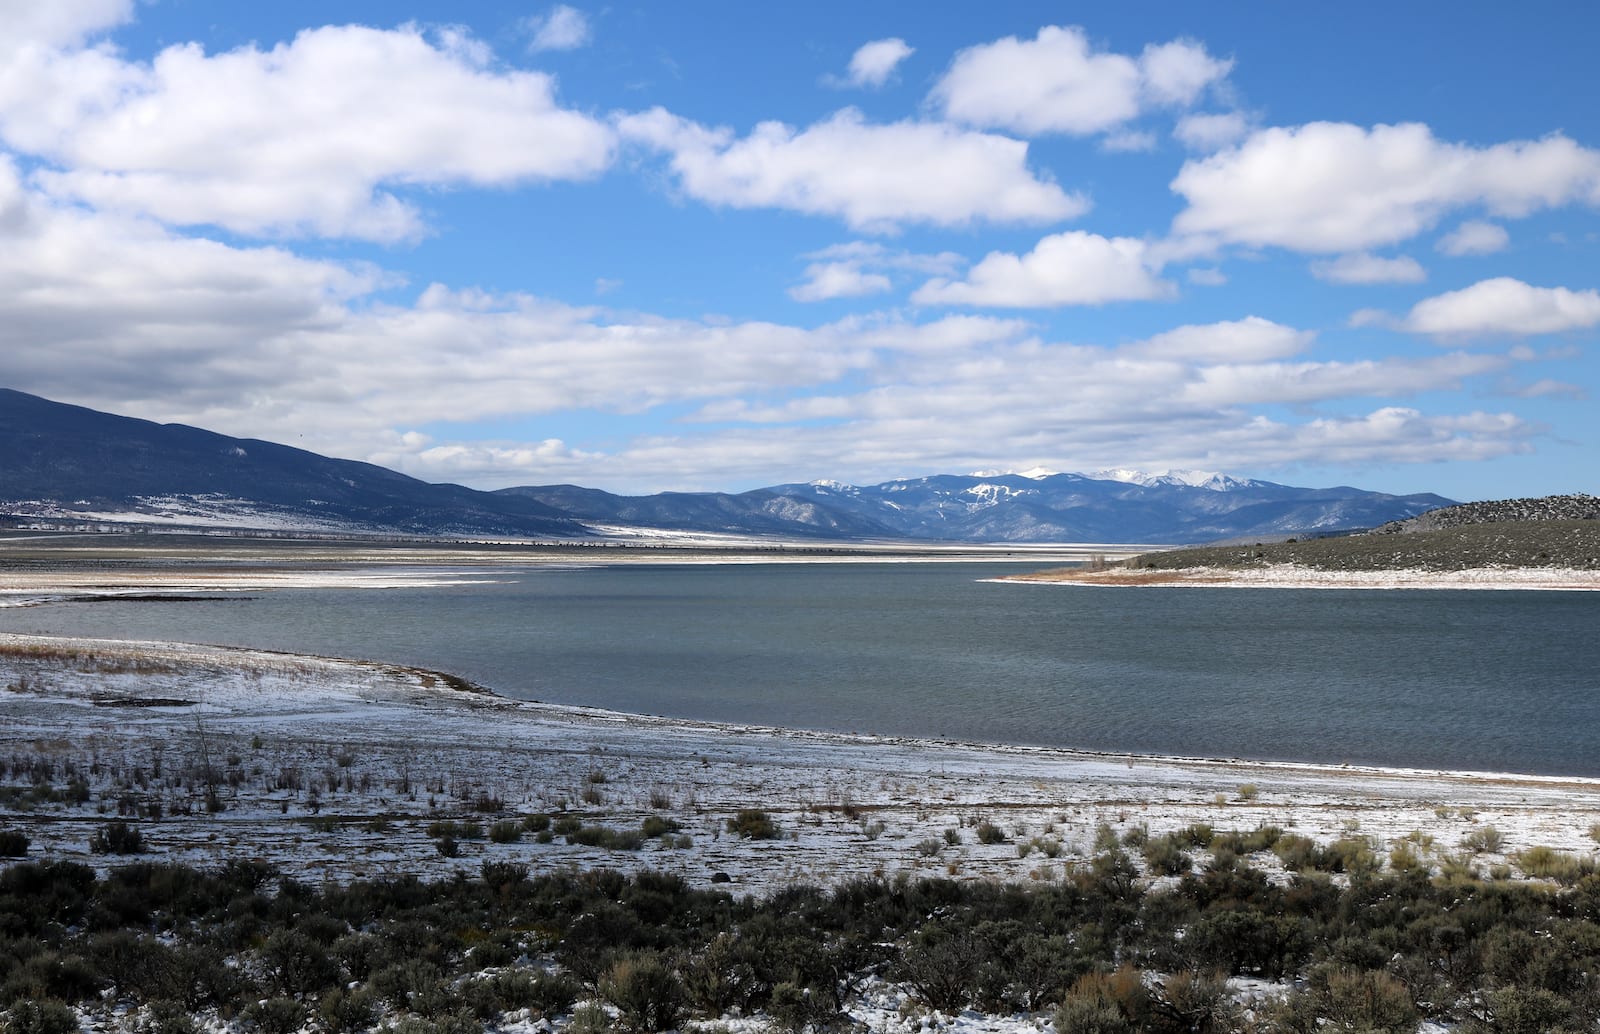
column 63, row 571
column 319, row 750
column 642, row 721
column 1286, row 576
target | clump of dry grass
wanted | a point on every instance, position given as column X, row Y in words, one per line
column 89, row 661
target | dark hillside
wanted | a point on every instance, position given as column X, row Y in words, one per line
column 1578, row 507
column 88, row 460
column 1552, row 532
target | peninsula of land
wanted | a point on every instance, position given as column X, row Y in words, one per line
column 1551, row 543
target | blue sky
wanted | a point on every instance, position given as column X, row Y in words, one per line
column 718, row 245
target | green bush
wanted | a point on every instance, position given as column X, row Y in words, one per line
column 1517, row 1010
column 498, row 876
column 1196, row 1001
column 607, row 838
column 13, row 843
column 1165, row 857
column 645, row 991
column 1298, row 853
column 753, row 824
column 406, row 983
column 1404, row 858
column 116, row 837
column 1546, row 863
column 1262, row 838
column 46, row 1016
column 989, row 833
column 1088, row 1016
column 342, row 1010
column 458, row 830
column 506, row 831
column 719, row 977
column 794, row 1008
column 659, row 825
column 1105, row 1003
column 1339, row 998
column 50, row 974
column 590, row 1018
column 940, row 967
column 1353, row 855
column 548, row 994
column 296, row 964
column 168, row 1017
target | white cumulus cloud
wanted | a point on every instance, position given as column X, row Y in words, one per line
column 1474, row 237
column 1335, row 187
column 57, row 23
column 873, row 63
column 321, row 132
column 1210, row 131
column 826, row 280
column 1058, row 82
column 873, row 176
column 860, row 268
column 1367, row 268
column 1502, row 306
column 563, row 28
column 1072, row 268
column 1252, row 339
column 1177, row 73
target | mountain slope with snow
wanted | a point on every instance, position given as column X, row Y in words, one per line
column 66, row 462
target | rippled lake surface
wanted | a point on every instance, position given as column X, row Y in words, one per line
column 1486, row 680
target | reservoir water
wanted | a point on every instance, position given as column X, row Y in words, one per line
column 1483, row 680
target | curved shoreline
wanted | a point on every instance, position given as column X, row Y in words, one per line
column 1285, row 576
column 431, row 677
column 319, row 747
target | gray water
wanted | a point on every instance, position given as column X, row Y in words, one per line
column 1486, row 680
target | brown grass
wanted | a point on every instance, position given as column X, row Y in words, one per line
column 90, row 661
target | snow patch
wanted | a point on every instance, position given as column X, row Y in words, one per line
column 1212, row 480
column 989, row 494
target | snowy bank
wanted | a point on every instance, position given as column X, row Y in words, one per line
column 1285, row 576
column 338, row 769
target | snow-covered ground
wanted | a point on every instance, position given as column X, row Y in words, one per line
column 335, row 769
column 1284, row 576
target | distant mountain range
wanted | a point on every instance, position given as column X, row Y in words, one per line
column 1035, row 506
column 61, row 462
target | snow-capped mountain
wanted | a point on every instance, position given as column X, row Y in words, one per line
column 67, row 462
column 1026, row 506
column 1208, row 479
